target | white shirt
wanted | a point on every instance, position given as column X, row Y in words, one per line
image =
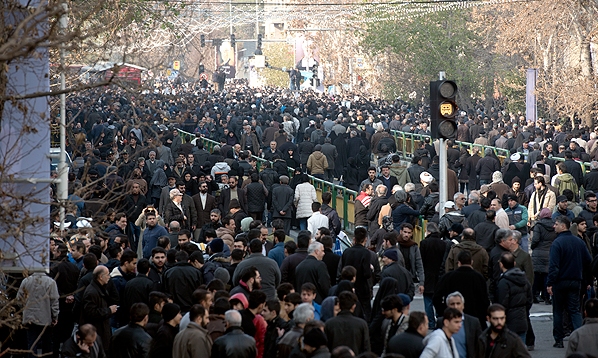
column 316, row 221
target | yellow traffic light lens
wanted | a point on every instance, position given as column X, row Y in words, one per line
column 448, row 89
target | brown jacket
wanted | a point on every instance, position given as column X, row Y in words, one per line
column 479, row 257
column 317, row 163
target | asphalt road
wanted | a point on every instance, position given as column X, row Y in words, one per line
column 541, row 318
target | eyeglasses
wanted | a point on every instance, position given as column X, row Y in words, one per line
column 592, row 201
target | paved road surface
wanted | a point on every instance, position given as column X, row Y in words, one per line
column 542, row 323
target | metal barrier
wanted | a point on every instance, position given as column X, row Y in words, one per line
column 407, row 142
column 344, row 198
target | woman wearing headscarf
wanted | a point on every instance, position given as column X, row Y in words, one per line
column 388, row 286
column 542, row 239
column 350, row 175
column 403, row 213
column 341, row 161
column 330, row 308
column 377, row 239
column 159, row 181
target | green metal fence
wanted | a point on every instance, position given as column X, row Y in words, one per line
column 344, row 198
column 407, row 143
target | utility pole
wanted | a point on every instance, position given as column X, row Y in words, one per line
column 443, row 166
column 62, row 188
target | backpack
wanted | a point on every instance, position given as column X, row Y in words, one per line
column 566, row 181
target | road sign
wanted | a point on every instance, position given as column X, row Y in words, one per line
column 176, row 65
column 203, row 76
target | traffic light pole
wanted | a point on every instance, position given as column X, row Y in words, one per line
column 443, row 188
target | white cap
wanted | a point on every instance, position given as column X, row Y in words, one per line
column 449, row 205
column 426, row 177
column 515, row 157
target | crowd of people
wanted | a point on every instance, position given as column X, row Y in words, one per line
column 171, row 250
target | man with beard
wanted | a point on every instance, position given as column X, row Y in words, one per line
column 204, row 204
column 249, row 280
column 230, row 193
column 157, row 267
column 411, row 254
column 214, row 224
column 498, row 341
column 194, row 340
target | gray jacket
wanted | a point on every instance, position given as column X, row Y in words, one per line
column 267, row 268
column 329, row 150
column 39, row 296
column 583, row 339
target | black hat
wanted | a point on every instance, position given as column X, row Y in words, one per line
column 315, row 338
column 561, row 198
column 169, row 311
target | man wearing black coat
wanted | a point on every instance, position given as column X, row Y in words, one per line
column 97, row 305
column 497, row 341
column 514, row 292
column 471, row 325
column 181, row 280
column 469, row 283
column 131, row 341
column 282, row 202
column 346, row 329
column 330, row 259
column 504, row 241
column 229, row 193
column 368, row 270
column 313, row 270
column 290, row 263
column 573, row 168
column 65, row 273
column 432, row 250
column 485, row 231
column 139, row 288
column 590, row 180
column 234, row 343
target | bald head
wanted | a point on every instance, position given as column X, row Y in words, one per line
column 101, row 274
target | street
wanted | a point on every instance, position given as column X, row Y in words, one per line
column 541, row 318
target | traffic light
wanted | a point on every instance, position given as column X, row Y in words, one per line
column 314, row 71
column 203, row 40
column 443, row 109
column 233, row 41
column 258, row 49
column 202, row 69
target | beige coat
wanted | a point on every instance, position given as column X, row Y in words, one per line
column 192, row 342
column 317, row 163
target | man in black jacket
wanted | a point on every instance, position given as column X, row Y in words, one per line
column 469, row 283
column 98, row 307
column 313, row 270
column 504, row 242
column 330, row 259
column 497, row 341
column 138, row 289
column 162, row 343
column 346, row 329
column 234, row 343
column 282, row 202
column 290, row 263
column 181, row 280
column 486, row 230
column 84, row 343
column 468, row 342
column 514, row 292
column 368, row 269
column 131, row 341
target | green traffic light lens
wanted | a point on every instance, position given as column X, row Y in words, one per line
column 447, row 89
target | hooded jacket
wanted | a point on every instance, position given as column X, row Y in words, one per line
column 542, row 239
column 479, row 257
column 514, row 292
column 317, row 163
